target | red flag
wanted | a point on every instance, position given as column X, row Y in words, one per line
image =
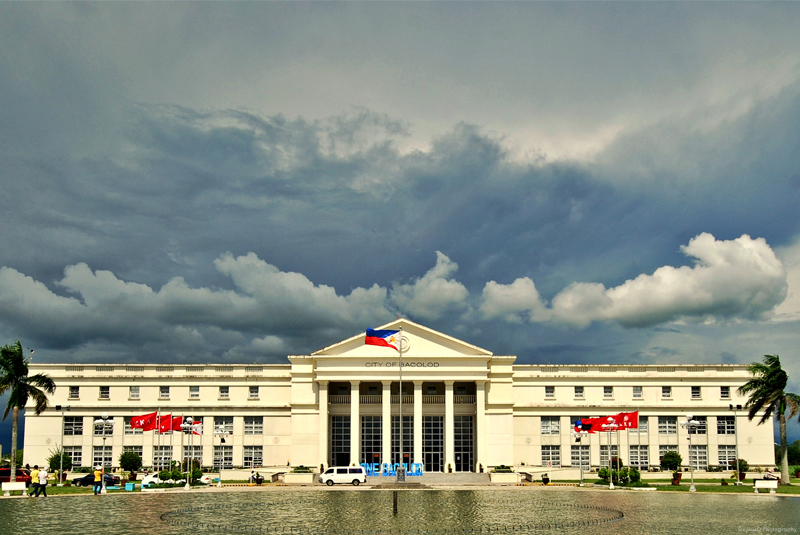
column 146, row 422
column 176, row 423
column 627, row 420
column 165, row 424
column 197, row 428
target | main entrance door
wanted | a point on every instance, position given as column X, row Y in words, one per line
column 433, row 443
column 463, row 438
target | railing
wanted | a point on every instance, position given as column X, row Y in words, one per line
column 463, row 400
column 371, row 400
column 339, row 400
column 407, row 400
column 433, row 400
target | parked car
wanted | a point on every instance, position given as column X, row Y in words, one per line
column 153, row 479
column 88, row 480
column 22, row 475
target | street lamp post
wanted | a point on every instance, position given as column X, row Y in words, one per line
column 220, row 430
column 611, row 426
column 578, row 436
column 104, row 422
column 689, row 425
column 61, row 460
column 735, row 408
column 187, row 427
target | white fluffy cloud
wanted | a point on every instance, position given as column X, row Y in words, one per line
column 433, row 294
column 739, row 278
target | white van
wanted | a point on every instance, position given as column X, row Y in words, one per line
column 344, row 474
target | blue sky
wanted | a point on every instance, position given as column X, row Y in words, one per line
column 564, row 182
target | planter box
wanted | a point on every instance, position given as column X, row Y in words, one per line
column 301, row 478
column 504, row 477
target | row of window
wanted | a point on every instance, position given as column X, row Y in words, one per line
column 639, row 456
column 253, row 456
column 638, row 392
column 667, row 425
column 134, row 392
column 74, row 425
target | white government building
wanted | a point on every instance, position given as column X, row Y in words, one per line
column 464, row 409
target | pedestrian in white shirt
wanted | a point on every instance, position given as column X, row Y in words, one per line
column 42, row 489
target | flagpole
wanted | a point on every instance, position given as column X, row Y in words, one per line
column 401, row 471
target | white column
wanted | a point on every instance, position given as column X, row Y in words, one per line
column 386, row 422
column 480, row 424
column 417, row 455
column 323, row 423
column 355, row 424
column 449, row 424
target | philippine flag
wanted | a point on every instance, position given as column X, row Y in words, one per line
column 383, row 337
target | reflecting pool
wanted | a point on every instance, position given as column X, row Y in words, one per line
column 520, row 510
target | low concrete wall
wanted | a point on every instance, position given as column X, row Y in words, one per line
column 299, row 479
column 504, row 477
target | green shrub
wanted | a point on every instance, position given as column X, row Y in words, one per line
column 634, row 475
column 604, row 474
column 56, row 459
column 502, row 468
column 671, row 460
column 164, row 475
column 301, row 470
column 130, row 461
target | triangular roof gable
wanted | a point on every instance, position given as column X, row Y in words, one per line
column 422, row 341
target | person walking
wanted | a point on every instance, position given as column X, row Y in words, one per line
column 34, row 481
column 42, row 482
column 98, row 479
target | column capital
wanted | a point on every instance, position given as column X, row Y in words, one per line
column 481, row 382
column 323, row 382
column 449, row 382
column 386, row 382
column 418, row 382
column 355, row 382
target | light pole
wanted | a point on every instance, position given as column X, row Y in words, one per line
column 220, row 430
column 578, row 436
column 689, row 425
column 611, row 426
column 187, row 427
column 61, row 469
column 735, row 408
column 104, row 422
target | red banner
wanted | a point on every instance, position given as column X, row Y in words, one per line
column 165, row 424
column 176, row 423
column 146, row 422
column 627, row 420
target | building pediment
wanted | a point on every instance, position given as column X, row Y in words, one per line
column 418, row 341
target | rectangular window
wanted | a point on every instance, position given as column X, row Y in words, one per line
column 223, row 457
column 551, row 456
column 193, row 452
column 253, row 456
column 604, row 461
column 638, row 457
column 725, row 392
column 133, row 392
column 253, row 392
column 76, row 454
column 666, row 392
column 580, row 457
column 579, row 392
column 371, row 439
column 106, row 429
column 340, row 440
column 224, row 392
column 138, row 450
column 667, row 425
column 101, row 456
column 698, row 456
column 73, row 425
column 163, row 392
column 223, row 423
column 431, row 390
column 726, row 456
column 105, row 392
column 74, row 392
column 253, row 425
column 608, row 392
column 162, row 455
column 637, row 392
column 550, row 392
column 551, row 425
column 700, row 429
column 194, row 392
column 128, row 429
column 726, row 425
column 643, row 424
column 696, row 392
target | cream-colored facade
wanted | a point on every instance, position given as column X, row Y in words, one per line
column 464, row 409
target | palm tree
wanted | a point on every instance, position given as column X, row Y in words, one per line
column 766, row 391
column 21, row 387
